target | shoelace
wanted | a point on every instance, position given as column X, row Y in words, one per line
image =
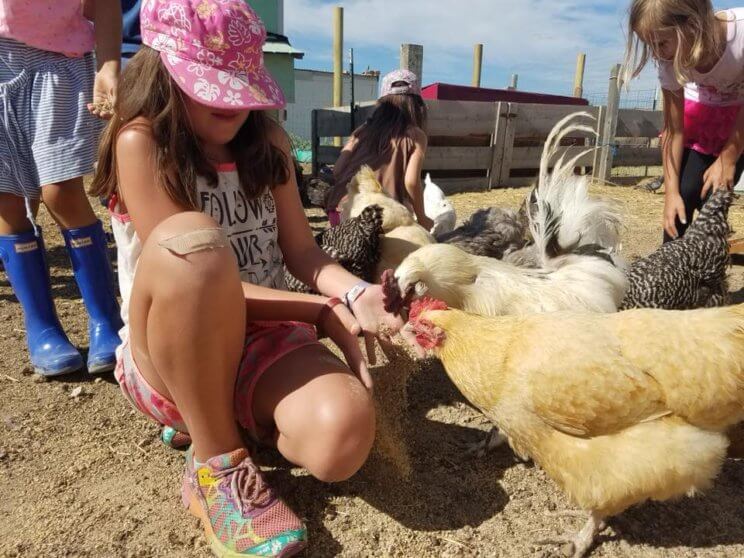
column 247, row 486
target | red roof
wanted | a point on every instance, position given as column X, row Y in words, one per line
column 447, row 92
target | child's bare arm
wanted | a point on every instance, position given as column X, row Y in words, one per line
column 413, row 181
column 672, row 148
column 107, row 16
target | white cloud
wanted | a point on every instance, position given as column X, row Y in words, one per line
column 539, row 39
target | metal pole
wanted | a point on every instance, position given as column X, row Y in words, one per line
column 579, row 76
column 477, row 63
column 338, row 61
column 352, row 107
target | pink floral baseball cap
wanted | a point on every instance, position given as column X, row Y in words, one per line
column 400, row 82
column 213, row 49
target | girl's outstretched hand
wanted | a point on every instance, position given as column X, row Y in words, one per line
column 719, row 175
column 674, row 208
column 369, row 310
column 341, row 327
column 104, row 91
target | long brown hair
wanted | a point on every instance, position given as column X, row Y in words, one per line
column 692, row 21
column 392, row 119
column 146, row 90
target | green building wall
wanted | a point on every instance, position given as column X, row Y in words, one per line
column 279, row 64
column 268, row 10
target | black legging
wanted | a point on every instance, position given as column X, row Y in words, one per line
column 691, row 181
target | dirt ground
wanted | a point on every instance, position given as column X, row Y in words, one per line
column 87, row 476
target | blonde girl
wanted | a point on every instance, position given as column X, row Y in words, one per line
column 700, row 57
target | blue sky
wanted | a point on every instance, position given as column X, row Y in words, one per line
column 537, row 39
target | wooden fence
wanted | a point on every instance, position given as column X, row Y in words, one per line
column 479, row 146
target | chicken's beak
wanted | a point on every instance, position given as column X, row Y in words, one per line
column 409, row 337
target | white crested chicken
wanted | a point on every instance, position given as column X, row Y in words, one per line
column 438, row 208
column 573, row 275
column 402, row 234
column 616, row 408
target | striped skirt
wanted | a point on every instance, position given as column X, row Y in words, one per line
column 47, row 134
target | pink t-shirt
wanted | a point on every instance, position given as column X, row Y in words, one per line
column 53, row 25
column 724, row 84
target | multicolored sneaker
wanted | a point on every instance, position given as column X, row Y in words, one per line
column 242, row 517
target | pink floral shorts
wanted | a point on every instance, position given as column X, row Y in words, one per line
column 265, row 344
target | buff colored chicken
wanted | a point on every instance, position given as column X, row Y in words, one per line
column 616, row 408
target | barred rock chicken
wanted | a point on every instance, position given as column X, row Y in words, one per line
column 616, row 408
column 491, row 232
column 402, row 234
column 355, row 244
column 591, row 279
column 317, row 192
column 689, row 272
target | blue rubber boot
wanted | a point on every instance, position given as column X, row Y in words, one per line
column 89, row 255
column 51, row 352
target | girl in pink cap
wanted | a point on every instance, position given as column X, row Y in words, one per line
column 206, row 211
column 393, row 143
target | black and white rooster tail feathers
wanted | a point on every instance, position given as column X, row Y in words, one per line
column 711, row 227
column 562, row 218
column 371, row 220
column 713, row 217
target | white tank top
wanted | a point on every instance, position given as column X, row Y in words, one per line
column 250, row 225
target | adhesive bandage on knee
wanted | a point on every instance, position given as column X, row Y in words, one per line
column 195, row 241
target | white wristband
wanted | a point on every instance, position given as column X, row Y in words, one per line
column 354, row 293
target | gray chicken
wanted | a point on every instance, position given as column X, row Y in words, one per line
column 490, row 232
column 689, row 272
column 652, row 185
column 355, row 244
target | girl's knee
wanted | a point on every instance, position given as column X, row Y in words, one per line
column 179, row 224
column 192, row 248
column 344, row 434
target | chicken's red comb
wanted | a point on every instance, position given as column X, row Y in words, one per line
column 423, row 305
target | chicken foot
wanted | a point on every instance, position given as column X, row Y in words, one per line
column 490, row 442
column 583, row 540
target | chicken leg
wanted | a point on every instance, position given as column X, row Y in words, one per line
column 490, row 442
column 584, row 539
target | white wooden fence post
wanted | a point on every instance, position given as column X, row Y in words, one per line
column 512, row 114
column 497, row 144
column 412, row 58
column 610, row 125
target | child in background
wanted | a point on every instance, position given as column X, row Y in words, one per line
column 205, row 210
column 131, row 39
column 700, row 56
column 393, row 143
column 51, row 90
